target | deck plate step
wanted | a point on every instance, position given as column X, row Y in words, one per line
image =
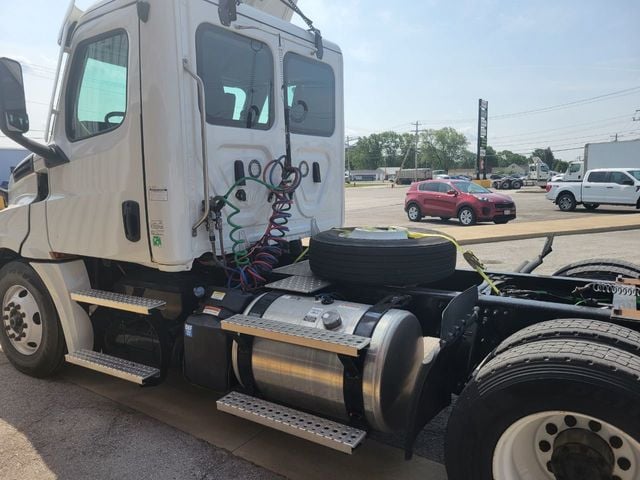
column 311, row 337
column 299, row 284
column 114, row 366
column 117, row 301
column 303, row 425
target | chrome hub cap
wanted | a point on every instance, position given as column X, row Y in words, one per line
column 22, row 320
column 565, row 445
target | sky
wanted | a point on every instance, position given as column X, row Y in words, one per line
column 431, row 60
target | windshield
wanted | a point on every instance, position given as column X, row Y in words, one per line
column 634, row 173
column 468, row 187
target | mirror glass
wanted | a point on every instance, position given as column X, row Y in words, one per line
column 13, row 111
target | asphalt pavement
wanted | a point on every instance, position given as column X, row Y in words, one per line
column 53, row 429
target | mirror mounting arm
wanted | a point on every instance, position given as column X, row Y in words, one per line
column 52, row 154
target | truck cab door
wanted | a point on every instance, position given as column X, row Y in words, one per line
column 623, row 189
column 96, row 206
column 594, row 188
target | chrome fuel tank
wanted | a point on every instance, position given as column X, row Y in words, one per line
column 313, row 380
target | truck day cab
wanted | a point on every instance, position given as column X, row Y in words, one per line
column 610, row 186
column 192, row 144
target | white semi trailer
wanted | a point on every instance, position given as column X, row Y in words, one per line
column 192, row 145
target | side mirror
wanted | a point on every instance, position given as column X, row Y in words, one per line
column 452, row 192
column 628, row 182
column 13, row 110
column 14, row 121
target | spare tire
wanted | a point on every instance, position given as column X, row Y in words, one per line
column 334, row 256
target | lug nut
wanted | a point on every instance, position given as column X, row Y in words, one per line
column 624, row 463
column 615, row 442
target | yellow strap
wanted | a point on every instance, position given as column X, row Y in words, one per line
column 468, row 255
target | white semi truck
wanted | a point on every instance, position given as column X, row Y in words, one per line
column 192, row 145
column 622, row 154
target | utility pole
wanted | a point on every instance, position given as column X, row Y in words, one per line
column 415, row 153
column 347, row 140
column 615, row 137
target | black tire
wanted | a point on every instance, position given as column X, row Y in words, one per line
column 445, row 219
column 501, row 221
column 589, row 379
column 566, row 202
column 333, row 256
column 49, row 354
column 516, row 185
column 591, row 206
column 505, row 185
column 607, row 269
column 413, row 212
column 575, row 329
column 466, row 216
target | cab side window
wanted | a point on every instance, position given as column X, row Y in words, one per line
column 619, row 177
column 598, row 177
column 97, row 94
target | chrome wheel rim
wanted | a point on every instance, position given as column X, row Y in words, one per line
column 526, row 449
column 466, row 217
column 565, row 203
column 22, row 320
column 413, row 212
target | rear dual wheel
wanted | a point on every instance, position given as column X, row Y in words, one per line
column 554, row 402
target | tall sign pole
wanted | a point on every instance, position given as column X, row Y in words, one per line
column 481, row 162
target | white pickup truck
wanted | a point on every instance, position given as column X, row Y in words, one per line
column 602, row 186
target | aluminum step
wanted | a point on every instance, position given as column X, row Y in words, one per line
column 303, row 425
column 114, row 366
column 299, row 284
column 117, row 301
column 317, row 338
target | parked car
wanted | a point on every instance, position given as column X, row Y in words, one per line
column 467, row 201
column 602, row 186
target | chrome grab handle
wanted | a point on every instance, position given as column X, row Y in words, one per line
column 205, row 156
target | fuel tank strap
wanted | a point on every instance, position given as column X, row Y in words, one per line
column 353, row 367
column 245, row 342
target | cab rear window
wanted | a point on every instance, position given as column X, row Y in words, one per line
column 310, row 94
column 237, row 73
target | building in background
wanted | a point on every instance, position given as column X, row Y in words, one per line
column 9, row 158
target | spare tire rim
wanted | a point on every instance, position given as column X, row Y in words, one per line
column 466, row 216
column 22, row 320
column 565, row 202
column 565, row 442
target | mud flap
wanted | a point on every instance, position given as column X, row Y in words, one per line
column 433, row 387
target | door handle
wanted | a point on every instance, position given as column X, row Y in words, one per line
column 609, row 187
column 131, row 220
column 587, row 186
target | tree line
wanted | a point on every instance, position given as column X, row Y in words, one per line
column 443, row 148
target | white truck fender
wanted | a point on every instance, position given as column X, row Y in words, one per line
column 61, row 279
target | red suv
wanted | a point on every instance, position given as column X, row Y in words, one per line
column 468, row 201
